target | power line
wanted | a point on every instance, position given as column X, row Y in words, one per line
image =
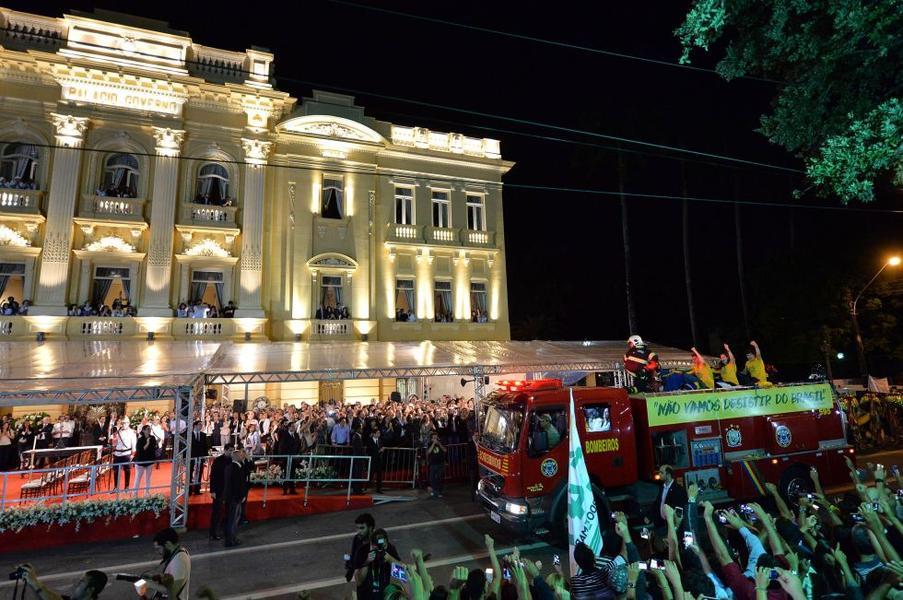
column 517, row 120
column 540, row 124
column 539, row 40
column 446, row 179
column 701, row 200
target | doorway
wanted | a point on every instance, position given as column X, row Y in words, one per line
column 331, row 391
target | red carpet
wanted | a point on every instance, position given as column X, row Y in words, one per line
column 277, row 507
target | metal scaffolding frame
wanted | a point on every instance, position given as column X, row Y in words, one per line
column 183, row 396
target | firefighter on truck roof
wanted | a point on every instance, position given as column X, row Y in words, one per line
column 642, row 364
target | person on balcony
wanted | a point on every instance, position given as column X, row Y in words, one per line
column 228, row 310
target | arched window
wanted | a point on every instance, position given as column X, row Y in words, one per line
column 212, row 185
column 120, row 176
column 18, row 166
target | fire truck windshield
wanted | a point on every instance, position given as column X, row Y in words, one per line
column 502, row 428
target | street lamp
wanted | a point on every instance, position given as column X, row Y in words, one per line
column 893, row 261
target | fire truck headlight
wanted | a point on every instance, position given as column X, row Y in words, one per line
column 515, row 509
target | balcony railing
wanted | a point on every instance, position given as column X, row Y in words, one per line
column 208, row 214
column 107, row 207
column 405, row 233
column 441, row 235
column 101, row 327
column 470, row 237
column 203, row 328
column 333, row 329
column 6, row 327
column 20, row 201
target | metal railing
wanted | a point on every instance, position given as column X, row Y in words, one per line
column 311, row 470
column 409, row 466
column 77, row 479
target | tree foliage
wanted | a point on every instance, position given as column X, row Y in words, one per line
column 838, row 64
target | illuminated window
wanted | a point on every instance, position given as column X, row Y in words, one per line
column 212, row 184
column 404, row 206
column 120, row 176
column 331, row 300
column 476, row 213
column 404, row 299
column 443, row 306
column 478, row 302
column 207, row 286
column 110, row 284
column 441, row 209
column 331, row 206
column 18, row 166
column 12, row 281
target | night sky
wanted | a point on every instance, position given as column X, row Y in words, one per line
column 564, row 250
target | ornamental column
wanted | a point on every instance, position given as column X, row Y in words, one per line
column 156, row 301
column 50, row 295
column 251, row 262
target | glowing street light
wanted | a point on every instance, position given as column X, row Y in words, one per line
column 893, row 261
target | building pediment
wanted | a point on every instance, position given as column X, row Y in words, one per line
column 332, row 260
column 330, row 127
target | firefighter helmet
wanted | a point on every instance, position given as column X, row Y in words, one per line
column 636, row 340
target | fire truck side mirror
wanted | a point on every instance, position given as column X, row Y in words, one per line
column 463, row 382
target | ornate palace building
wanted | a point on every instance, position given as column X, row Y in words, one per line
column 141, row 171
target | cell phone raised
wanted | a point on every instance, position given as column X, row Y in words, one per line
column 642, row 566
column 774, row 575
column 656, row 564
column 490, row 575
column 506, row 573
column 398, row 573
column 644, row 533
column 689, row 539
column 556, row 560
column 722, row 518
column 678, row 513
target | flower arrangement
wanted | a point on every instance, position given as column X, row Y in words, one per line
column 272, row 474
column 34, row 419
column 16, row 519
column 139, row 415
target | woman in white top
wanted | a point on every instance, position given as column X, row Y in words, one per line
column 7, row 450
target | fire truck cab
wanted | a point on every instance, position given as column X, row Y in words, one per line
column 726, row 442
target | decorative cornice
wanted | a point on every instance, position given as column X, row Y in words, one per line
column 169, row 141
column 256, row 151
column 70, row 131
column 56, row 248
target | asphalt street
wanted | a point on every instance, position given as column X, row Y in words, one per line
column 279, row 558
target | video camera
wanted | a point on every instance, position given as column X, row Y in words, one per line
column 19, row 573
column 141, row 586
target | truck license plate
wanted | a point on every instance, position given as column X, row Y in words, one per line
column 495, row 517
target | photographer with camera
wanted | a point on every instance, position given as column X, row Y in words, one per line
column 87, row 588
column 174, row 579
column 373, row 564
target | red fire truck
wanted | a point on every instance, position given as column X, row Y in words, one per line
column 728, row 442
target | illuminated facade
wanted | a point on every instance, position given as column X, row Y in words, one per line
column 138, row 165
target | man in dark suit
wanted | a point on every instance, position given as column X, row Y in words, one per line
column 672, row 494
column 289, row 445
column 217, row 488
column 375, row 449
column 357, row 449
column 235, row 490
column 198, row 452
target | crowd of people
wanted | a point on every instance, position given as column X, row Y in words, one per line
column 340, row 311
column 199, row 309
column 11, row 308
column 805, row 547
column 119, row 308
column 214, row 200
column 644, row 366
column 17, row 183
column 112, row 191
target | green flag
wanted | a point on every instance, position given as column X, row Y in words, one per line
column 583, row 518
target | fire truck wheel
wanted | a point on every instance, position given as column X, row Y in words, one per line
column 795, row 481
column 558, row 529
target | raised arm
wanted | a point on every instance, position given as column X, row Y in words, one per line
column 718, row 545
column 774, row 540
column 779, row 501
column 495, row 587
column 730, row 355
column 755, row 347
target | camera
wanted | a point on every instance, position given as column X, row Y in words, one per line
column 19, row 573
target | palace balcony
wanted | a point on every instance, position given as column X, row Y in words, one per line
column 20, row 202
column 208, row 215
column 107, row 208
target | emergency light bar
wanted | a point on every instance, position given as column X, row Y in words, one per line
column 529, row 386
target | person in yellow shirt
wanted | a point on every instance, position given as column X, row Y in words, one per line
column 702, row 370
column 754, row 369
column 728, row 370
